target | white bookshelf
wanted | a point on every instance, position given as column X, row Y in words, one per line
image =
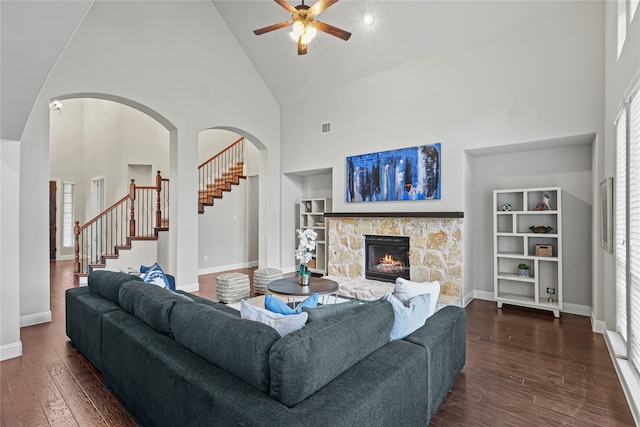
column 514, row 243
column 312, row 216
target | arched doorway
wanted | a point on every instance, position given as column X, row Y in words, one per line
column 98, row 143
column 233, row 219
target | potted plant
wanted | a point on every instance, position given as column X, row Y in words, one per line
column 304, row 253
column 523, row 270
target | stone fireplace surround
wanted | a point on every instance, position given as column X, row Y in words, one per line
column 435, row 250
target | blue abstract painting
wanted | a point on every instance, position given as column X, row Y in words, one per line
column 405, row 174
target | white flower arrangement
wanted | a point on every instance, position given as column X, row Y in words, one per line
column 307, row 245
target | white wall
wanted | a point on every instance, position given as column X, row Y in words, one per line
column 568, row 167
column 10, row 344
column 539, row 81
column 178, row 62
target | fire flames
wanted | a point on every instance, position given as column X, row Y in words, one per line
column 387, row 264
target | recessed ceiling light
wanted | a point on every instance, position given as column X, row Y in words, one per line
column 368, row 18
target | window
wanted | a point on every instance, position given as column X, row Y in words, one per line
column 627, row 253
column 67, row 214
column 626, row 11
column 633, row 269
column 621, row 226
column 624, row 344
column 622, row 24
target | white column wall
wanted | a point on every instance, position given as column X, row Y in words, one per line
column 10, row 344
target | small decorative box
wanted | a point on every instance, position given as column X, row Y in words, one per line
column 544, row 250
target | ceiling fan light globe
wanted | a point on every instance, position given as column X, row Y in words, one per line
column 297, row 31
column 309, row 33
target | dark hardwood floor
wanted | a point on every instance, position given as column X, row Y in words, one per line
column 524, row 368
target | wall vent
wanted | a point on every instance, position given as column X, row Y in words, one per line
column 326, row 127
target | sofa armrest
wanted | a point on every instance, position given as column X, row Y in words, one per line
column 444, row 338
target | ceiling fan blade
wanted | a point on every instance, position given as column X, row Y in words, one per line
column 320, row 6
column 271, row 28
column 302, row 48
column 330, row 29
column 286, row 5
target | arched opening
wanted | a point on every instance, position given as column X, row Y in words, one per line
column 228, row 231
column 98, row 143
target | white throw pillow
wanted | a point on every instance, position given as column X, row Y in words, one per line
column 284, row 324
column 406, row 289
column 406, row 320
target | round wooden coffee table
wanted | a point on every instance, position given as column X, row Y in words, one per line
column 290, row 287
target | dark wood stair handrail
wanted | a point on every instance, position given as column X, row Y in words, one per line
column 105, row 231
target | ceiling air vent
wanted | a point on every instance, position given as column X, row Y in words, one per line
column 325, row 128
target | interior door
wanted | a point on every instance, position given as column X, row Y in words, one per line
column 52, row 219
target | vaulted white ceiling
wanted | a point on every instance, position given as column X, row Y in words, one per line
column 34, row 34
column 403, row 31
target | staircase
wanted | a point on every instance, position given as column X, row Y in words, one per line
column 144, row 212
column 219, row 173
column 140, row 215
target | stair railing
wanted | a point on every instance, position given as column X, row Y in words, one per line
column 214, row 168
column 140, row 214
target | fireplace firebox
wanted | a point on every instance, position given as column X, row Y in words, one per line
column 386, row 257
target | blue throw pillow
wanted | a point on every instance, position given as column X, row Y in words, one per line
column 408, row 319
column 154, row 275
column 276, row 306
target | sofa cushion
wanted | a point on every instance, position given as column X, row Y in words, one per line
column 240, row 347
column 84, row 310
column 328, row 310
column 306, row 360
column 107, row 283
column 283, row 323
column 408, row 319
column 406, row 289
column 213, row 304
column 151, row 304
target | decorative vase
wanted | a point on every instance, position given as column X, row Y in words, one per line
column 523, row 272
column 304, row 279
column 304, row 275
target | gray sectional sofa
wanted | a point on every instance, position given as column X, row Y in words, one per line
column 176, row 359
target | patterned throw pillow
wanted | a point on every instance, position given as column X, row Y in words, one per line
column 154, row 275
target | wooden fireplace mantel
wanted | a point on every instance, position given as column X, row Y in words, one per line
column 394, row 214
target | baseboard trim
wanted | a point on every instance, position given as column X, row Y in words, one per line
column 35, row 319
column 484, row 295
column 599, row 326
column 581, row 310
column 66, row 257
column 9, row 351
column 220, row 268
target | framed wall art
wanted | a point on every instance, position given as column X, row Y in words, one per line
column 606, row 214
column 404, row 174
